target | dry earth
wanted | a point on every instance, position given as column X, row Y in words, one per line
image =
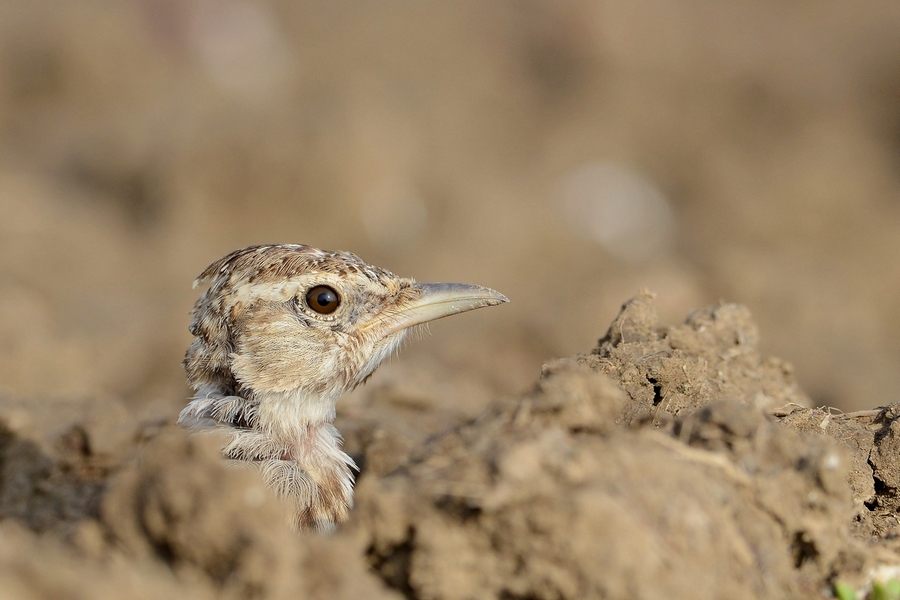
column 669, row 462
column 565, row 153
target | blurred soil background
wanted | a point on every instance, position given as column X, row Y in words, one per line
column 565, row 153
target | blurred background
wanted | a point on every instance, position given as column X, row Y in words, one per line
column 566, row 153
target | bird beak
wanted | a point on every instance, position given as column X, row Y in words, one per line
column 438, row 300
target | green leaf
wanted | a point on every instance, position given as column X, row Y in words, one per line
column 889, row 590
column 844, row 591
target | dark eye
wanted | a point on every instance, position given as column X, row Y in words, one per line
column 323, row 299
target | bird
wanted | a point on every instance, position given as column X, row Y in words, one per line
column 281, row 332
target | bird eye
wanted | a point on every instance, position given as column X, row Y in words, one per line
column 323, row 299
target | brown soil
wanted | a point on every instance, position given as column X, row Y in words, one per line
column 670, row 462
column 567, row 154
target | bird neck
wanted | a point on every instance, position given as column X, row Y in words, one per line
column 289, row 413
column 291, row 438
column 283, row 415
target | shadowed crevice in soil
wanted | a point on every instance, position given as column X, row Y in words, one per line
column 49, row 489
column 392, row 565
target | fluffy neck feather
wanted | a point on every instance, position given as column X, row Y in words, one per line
column 293, row 442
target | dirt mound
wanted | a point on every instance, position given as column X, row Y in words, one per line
column 713, row 355
column 670, row 462
column 547, row 497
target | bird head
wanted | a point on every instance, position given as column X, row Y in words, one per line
column 294, row 321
